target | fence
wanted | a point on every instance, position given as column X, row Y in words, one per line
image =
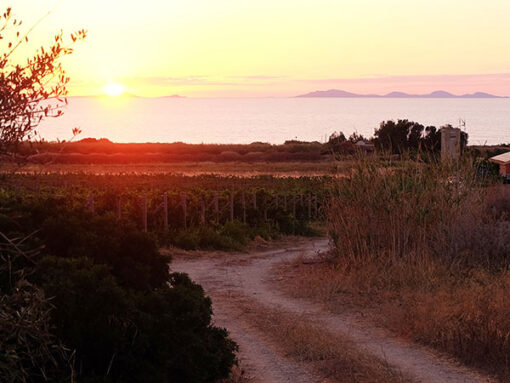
column 163, row 212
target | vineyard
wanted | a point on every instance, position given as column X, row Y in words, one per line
column 182, row 210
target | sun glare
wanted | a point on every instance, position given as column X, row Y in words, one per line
column 113, row 89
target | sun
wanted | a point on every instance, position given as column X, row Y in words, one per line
column 113, row 89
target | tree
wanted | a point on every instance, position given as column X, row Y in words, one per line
column 432, row 139
column 404, row 135
column 26, row 88
column 355, row 137
column 399, row 136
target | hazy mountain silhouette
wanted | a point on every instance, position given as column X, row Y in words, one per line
column 436, row 94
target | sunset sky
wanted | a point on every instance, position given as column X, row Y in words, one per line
column 254, row 48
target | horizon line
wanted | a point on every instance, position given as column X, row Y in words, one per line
column 365, row 95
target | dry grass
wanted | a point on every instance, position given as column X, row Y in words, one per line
column 467, row 316
column 331, row 355
column 424, row 251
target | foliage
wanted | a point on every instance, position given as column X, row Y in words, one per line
column 339, row 144
column 403, row 135
column 132, row 256
column 268, row 220
column 157, row 335
column 29, row 350
column 103, row 151
column 23, row 87
column 115, row 303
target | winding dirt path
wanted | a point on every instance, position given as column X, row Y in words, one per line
column 250, row 274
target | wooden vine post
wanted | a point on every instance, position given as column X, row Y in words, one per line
column 294, row 206
column 243, row 203
column 118, row 207
column 285, row 202
column 309, row 206
column 165, row 211
column 231, row 206
column 90, row 203
column 184, row 210
column 144, row 213
column 202, row 212
column 216, row 207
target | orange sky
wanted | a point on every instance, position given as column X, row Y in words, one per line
column 232, row 48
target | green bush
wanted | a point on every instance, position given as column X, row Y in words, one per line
column 115, row 303
column 159, row 335
column 133, row 257
column 232, row 236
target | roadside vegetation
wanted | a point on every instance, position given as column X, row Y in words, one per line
column 423, row 247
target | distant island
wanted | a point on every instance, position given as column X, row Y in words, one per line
column 437, row 94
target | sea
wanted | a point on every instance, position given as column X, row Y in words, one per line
column 272, row 120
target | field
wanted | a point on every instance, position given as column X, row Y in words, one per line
column 216, row 210
column 92, row 151
column 240, row 169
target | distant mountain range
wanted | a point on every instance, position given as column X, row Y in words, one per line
column 436, row 94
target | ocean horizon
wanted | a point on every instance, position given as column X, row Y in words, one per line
column 272, row 120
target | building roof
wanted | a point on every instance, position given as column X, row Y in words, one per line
column 502, row 158
column 363, row 143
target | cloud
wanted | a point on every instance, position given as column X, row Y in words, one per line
column 229, row 81
column 259, row 77
column 411, row 78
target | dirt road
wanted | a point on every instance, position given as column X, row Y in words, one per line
column 250, row 274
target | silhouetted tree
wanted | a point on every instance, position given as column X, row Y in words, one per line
column 25, row 85
column 355, row 137
column 399, row 136
column 432, row 140
column 404, row 135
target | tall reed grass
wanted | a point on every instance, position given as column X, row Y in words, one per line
column 431, row 241
column 414, row 210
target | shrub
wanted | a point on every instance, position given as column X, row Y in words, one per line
column 159, row 335
column 116, row 305
column 132, row 256
column 29, row 351
column 231, row 236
